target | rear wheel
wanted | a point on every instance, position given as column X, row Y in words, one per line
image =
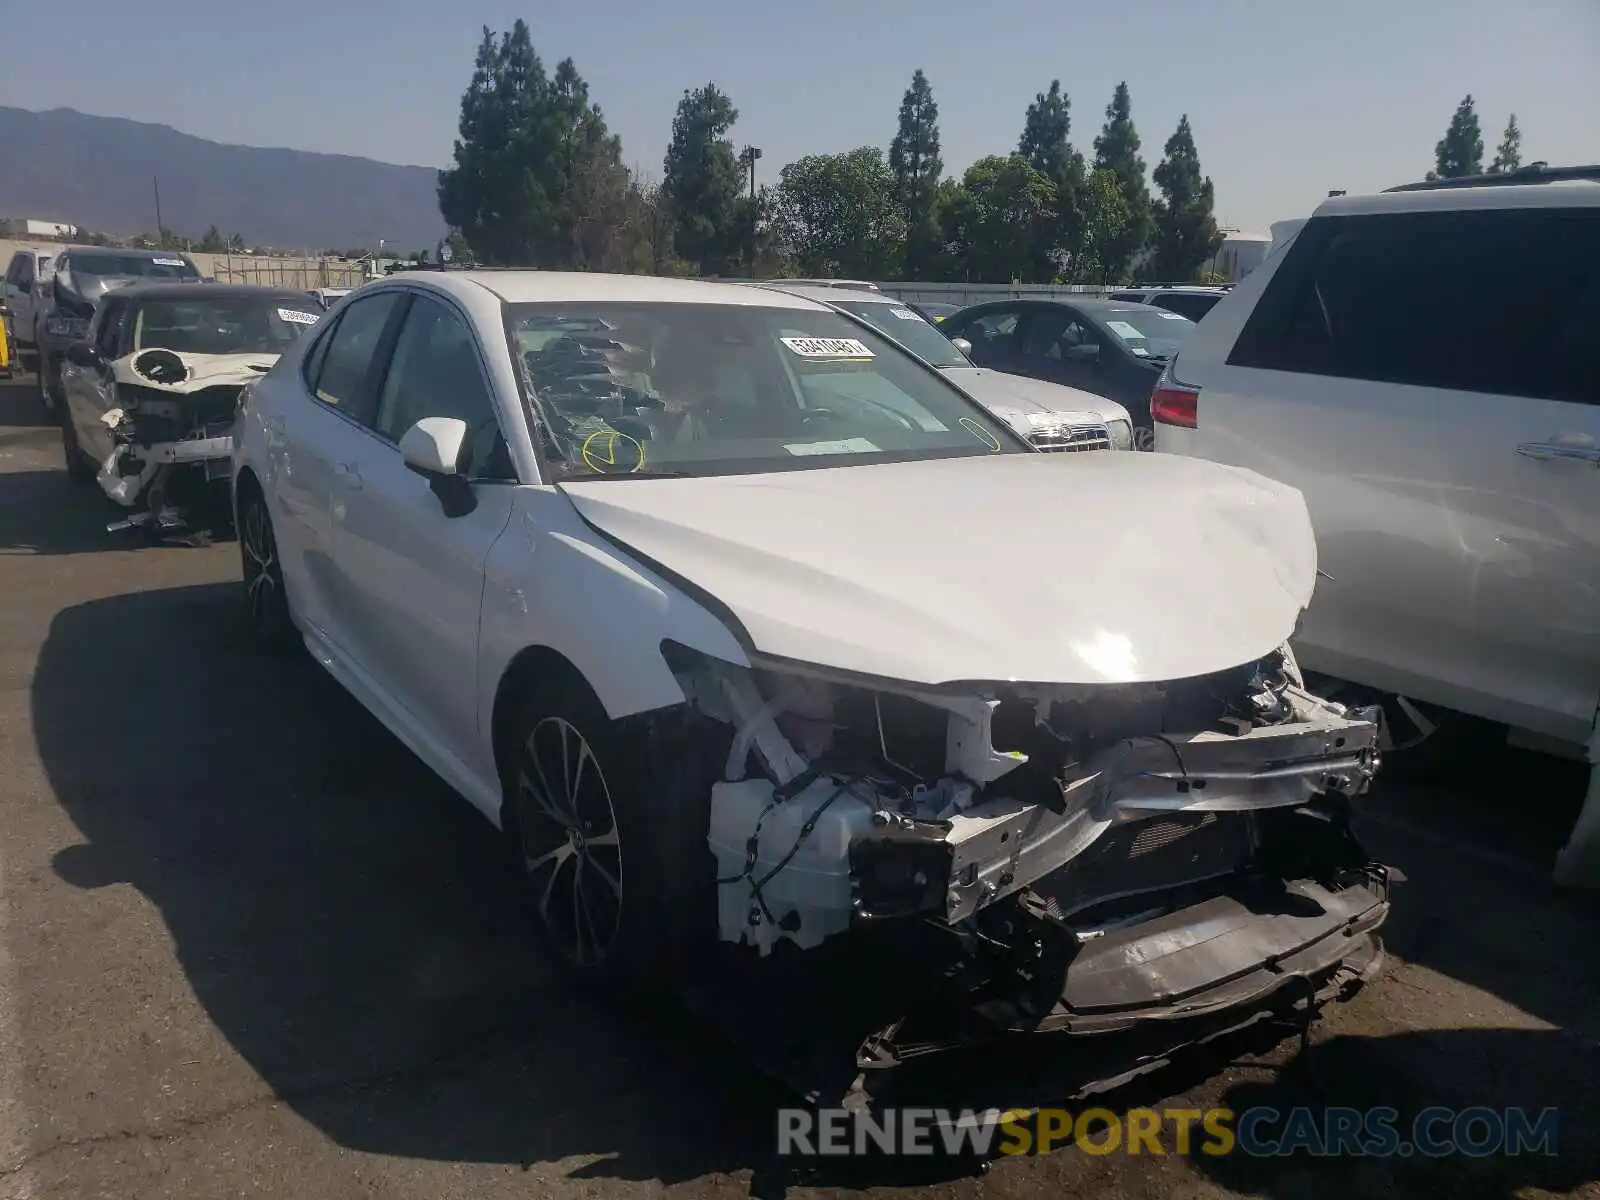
column 1144, row 438
column 266, row 601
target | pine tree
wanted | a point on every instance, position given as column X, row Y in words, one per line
column 1508, row 157
column 524, row 138
column 703, row 184
column 916, row 166
column 1185, row 231
column 1044, row 143
column 1460, row 152
column 1117, row 150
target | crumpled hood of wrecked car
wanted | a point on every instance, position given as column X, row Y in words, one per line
column 1084, row 568
column 205, row 370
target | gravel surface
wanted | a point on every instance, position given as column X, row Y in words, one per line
column 250, row 946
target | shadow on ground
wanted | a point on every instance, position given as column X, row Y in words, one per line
column 349, row 926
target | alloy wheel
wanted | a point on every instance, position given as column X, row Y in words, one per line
column 571, row 851
column 1144, row 438
column 261, row 575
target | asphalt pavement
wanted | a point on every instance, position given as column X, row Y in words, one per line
column 250, row 946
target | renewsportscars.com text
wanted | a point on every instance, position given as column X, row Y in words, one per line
column 1258, row 1132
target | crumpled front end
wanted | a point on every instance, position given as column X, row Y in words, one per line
column 1076, row 859
column 172, row 433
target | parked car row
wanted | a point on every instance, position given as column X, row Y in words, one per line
column 753, row 618
column 52, row 296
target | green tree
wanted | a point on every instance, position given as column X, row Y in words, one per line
column 839, row 215
column 1117, row 150
column 1508, row 156
column 703, row 183
column 1044, row 143
column 525, row 139
column 213, row 242
column 1105, row 220
column 236, row 242
column 1185, row 233
column 1460, row 152
column 500, row 193
column 993, row 221
column 916, row 166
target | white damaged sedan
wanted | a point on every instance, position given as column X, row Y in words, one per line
column 779, row 659
column 152, row 389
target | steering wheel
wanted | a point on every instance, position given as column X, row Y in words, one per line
column 818, row 416
column 894, row 414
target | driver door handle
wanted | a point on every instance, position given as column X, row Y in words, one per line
column 348, row 474
column 1548, row 451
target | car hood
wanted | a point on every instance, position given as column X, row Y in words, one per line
column 90, row 288
column 1014, row 397
column 1076, row 569
column 201, row 370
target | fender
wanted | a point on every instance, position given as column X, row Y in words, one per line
column 552, row 581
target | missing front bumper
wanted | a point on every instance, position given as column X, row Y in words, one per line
column 955, row 867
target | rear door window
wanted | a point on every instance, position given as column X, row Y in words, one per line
column 345, row 370
column 1193, row 305
column 1499, row 301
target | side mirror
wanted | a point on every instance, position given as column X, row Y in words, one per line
column 83, row 354
column 962, row 345
column 434, row 448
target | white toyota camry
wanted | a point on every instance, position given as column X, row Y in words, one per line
column 759, row 638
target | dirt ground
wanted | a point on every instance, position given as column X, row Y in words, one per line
column 250, row 946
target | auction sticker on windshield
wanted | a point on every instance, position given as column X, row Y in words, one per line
column 169, row 262
column 825, row 348
column 297, row 317
column 1174, row 316
column 1123, row 329
column 905, row 314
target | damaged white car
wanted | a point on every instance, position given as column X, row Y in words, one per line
column 152, row 389
column 795, row 677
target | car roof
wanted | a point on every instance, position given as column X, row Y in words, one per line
column 1479, row 193
column 577, row 287
column 1096, row 305
column 1204, row 289
column 823, row 294
column 191, row 291
column 124, row 252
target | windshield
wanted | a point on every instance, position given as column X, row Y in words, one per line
column 624, row 390
column 158, row 266
column 1147, row 331
column 910, row 330
column 223, row 324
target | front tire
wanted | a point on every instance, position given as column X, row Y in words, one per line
column 606, row 821
column 80, row 468
column 266, row 601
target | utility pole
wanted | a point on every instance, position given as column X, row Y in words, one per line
column 155, row 180
column 747, row 158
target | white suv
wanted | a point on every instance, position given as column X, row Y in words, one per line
column 1424, row 365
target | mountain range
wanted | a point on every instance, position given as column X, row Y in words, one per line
column 100, row 173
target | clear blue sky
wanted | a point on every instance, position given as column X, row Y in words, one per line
column 1288, row 98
